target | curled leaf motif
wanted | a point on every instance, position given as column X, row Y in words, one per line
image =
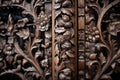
column 102, row 58
column 60, row 39
column 24, row 33
column 22, row 22
column 60, row 23
column 65, row 18
column 70, row 53
column 57, row 5
column 66, row 45
column 36, row 41
column 48, row 35
column 99, row 45
column 24, row 61
column 64, row 57
column 56, row 49
column 89, row 18
column 57, row 13
column 29, row 69
column 67, row 11
column 46, row 45
column 114, row 28
column 66, row 71
column 38, row 54
column 68, row 24
column 66, row 3
column 44, row 63
column 60, row 30
column 56, row 60
column 67, row 35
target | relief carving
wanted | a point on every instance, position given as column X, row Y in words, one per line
column 59, row 39
column 64, row 57
column 102, row 49
column 25, row 34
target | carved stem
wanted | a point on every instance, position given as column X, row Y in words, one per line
column 30, row 60
column 109, row 61
column 101, row 15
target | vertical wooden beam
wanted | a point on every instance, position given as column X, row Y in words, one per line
column 81, row 39
column 53, row 38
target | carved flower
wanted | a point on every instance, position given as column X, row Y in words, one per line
column 24, row 33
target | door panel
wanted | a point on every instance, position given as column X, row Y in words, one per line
column 59, row 39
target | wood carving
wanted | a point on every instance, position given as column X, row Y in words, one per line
column 64, row 56
column 59, row 39
column 102, row 48
column 25, row 35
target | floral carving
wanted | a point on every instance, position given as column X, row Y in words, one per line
column 26, row 38
column 64, row 40
column 59, row 39
column 104, row 50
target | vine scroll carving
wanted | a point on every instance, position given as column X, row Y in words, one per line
column 59, row 39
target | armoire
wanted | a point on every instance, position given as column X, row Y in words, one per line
column 59, row 39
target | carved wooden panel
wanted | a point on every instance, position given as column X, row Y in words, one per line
column 59, row 39
column 25, row 35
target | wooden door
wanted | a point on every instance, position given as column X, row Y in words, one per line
column 59, row 39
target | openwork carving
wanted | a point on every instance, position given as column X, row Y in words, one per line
column 102, row 45
column 25, row 35
column 59, row 39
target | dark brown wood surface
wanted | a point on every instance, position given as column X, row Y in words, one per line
column 59, row 39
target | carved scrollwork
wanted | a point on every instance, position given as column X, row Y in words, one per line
column 64, row 40
column 25, row 30
column 104, row 50
column 59, row 39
